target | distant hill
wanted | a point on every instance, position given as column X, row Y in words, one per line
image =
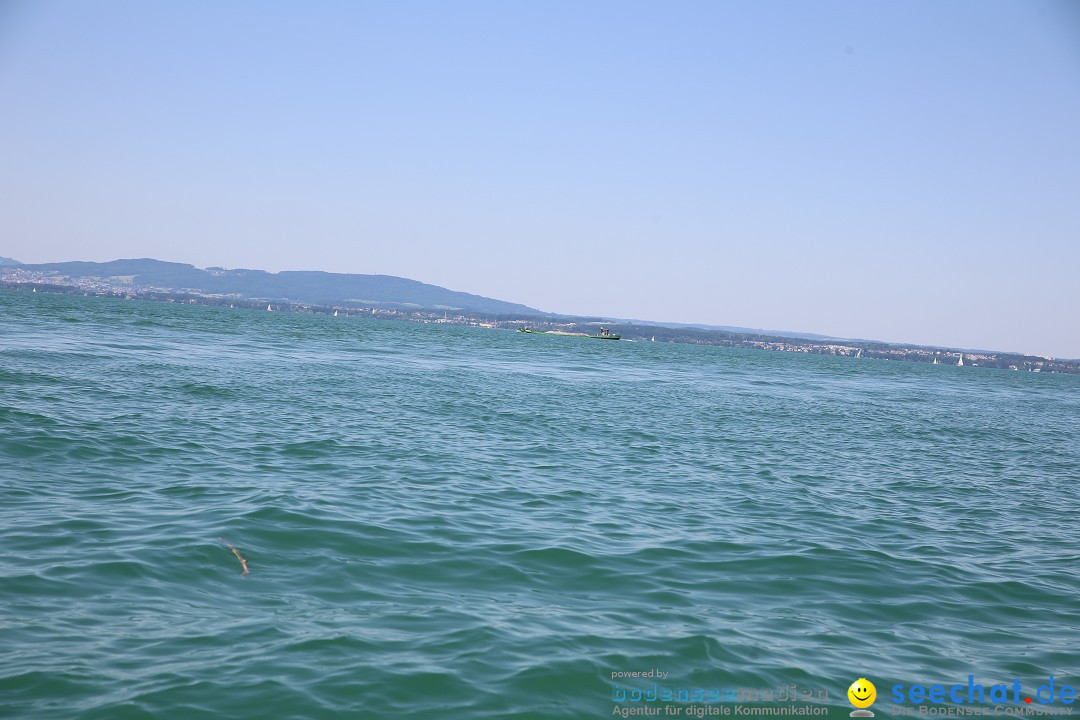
column 9, row 261
column 310, row 287
column 739, row 330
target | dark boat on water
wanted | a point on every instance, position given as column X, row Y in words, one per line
column 604, row 334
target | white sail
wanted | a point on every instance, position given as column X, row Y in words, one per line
column 269, row 309
column 335, row 313
column 960, row 363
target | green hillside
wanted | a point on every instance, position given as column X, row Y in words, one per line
column 312, row 287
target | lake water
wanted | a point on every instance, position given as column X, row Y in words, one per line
column 453, row 522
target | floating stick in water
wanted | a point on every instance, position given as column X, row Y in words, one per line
column 239, row 557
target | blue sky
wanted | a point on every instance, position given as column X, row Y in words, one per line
column 904, row 171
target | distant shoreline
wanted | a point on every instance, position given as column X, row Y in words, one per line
column 629, row 331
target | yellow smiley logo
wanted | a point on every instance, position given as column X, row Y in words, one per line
column 862, row 694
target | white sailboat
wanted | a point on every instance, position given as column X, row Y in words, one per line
column 269, row 309
column 935, row 361
column 858, row 353
column 960, row 362
column 335, row 313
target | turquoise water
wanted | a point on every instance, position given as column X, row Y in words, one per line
column 451, row 522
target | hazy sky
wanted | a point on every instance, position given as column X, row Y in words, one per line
column 905, row 171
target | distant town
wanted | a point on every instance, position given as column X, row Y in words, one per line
column 33, row 279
